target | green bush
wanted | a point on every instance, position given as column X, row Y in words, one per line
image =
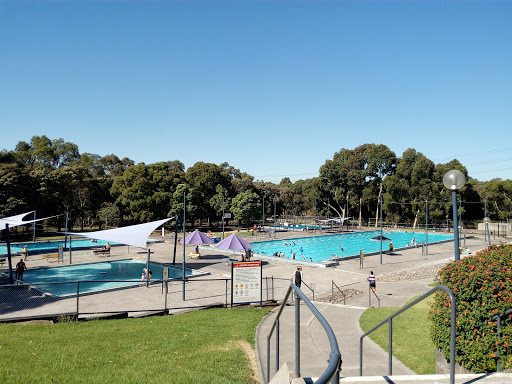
column 482, row 286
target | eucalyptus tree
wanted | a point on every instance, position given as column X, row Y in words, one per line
column 246, row 207
column 144, row 192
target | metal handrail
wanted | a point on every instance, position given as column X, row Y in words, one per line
column 334, row 366
column 390, row 341
column 311, row 289
column 333, row 284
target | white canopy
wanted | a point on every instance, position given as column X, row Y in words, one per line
column 16, row 220
column 135, row 235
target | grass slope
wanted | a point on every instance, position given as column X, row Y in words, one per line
column 200, row 346
column 411, row 335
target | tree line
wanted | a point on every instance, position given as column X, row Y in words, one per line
column 53, row 177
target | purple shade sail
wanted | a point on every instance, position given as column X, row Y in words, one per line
column 197, row 237
column 234, row 242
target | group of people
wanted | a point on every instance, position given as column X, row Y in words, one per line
column 146, row 274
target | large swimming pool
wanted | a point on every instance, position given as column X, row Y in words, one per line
column 342, row 245
column 96, row 276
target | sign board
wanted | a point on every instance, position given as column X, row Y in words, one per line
column 246, row 282
column 227, row 215
column 61, row 253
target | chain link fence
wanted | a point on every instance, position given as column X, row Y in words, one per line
column 83, row 299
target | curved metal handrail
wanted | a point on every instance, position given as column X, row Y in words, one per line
column 403, row 309
column 333, row 368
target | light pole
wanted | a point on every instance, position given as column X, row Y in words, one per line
column 486, row 228
column 274, row 217
column 263, row 225
column 223, row 215
column 426, row 225
column 346, row 214
column 454, row 180
column 380, row 217
column 314, row 219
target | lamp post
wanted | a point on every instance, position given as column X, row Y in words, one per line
column 263, row 216
column 346, row 214
column 380, row 217
column 274, row 217
column 426, row 225
column 454, row 180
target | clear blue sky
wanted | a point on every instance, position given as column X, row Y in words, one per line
column 272, row 87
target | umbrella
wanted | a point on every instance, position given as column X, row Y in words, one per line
column 234, row 242
column 379, row 238
column 197, row 237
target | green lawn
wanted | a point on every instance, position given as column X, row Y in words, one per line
column 200, row 346
column 411, row 335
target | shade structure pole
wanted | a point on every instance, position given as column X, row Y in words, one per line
column 222, row 215
column 8, row 240
column 380, row 217
column 175, row 240
column 426, row 225
column 70, row 258
column 147, row 268
column 184, row 211
column 34, row 235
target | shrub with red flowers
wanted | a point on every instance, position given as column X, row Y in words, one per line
column 482, row 286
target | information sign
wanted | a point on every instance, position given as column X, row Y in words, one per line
column 246, row 282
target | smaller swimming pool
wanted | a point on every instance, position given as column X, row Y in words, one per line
column 97, row 276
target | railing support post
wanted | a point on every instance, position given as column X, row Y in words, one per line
column 498, row 349
column 390, row 347
column 277, row 345
column 297, row 335
column 332, row 292
column 268, row 358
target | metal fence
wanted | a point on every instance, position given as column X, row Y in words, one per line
column 83, row 299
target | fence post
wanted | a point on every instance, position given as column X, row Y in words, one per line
column 226, row 293
column 166, row 292
column 297, row 334
column 77, row 298
column 273, row 297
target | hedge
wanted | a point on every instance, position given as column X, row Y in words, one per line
column 482, row 286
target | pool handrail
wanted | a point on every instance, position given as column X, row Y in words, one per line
column 403, row 309
column 334, row 362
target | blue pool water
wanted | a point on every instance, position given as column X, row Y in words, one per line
column 52, row 246
column 96, row 275
column 342, row 245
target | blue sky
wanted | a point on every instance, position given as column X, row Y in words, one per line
column 274, row 88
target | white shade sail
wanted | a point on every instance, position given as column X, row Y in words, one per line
column 135, row 235
column 16, row 220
